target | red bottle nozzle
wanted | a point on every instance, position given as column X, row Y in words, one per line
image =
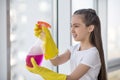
column 45, row 24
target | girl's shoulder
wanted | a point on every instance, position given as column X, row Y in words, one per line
column 93, row 50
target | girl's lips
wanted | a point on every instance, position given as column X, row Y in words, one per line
column 74, row 35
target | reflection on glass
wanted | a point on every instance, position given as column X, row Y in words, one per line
column 44, row 6
column 23, row 15
column 113, row 29
column 24, row 19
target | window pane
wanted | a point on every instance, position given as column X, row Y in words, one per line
column 114, row 75
column 24, row 15
column 79, row 4
column 113, row 29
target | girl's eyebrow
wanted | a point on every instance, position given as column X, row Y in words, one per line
column 75, row 24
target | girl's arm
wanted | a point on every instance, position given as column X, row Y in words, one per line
column 61, row 59
column 80, row 70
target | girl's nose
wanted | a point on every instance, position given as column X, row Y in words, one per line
column 72, row 30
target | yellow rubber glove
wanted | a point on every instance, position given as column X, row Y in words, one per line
column 49, row 46
column 44, row 72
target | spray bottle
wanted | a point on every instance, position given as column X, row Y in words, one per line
column 36, row 51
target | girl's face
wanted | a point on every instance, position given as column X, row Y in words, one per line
column 78, row 28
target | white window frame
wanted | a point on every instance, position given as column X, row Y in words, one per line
column 64, row 38
column 4, row 40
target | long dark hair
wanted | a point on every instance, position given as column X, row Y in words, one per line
column 90, row 17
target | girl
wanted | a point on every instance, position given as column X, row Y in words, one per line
column 87, row 57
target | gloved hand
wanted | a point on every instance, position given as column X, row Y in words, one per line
column 50, row 49
column 44, row 72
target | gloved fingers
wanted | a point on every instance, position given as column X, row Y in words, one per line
column 37, row 30
column 33, row 62
column 42, row 36
column 36, row 27
column 46, row 31
column 37, row 33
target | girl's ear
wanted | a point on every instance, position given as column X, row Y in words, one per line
column 90, row 28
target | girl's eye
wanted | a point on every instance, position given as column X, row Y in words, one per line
column 76, row 26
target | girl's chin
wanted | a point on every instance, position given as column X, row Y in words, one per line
column 76, row 39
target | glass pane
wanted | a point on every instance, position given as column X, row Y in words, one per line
column 114, row 75
column 24, row 15
column 81, row 4
column 113, row 29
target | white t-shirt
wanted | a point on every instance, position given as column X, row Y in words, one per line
column 88, row 57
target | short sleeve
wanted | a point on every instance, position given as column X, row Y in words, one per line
column 91, row 59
